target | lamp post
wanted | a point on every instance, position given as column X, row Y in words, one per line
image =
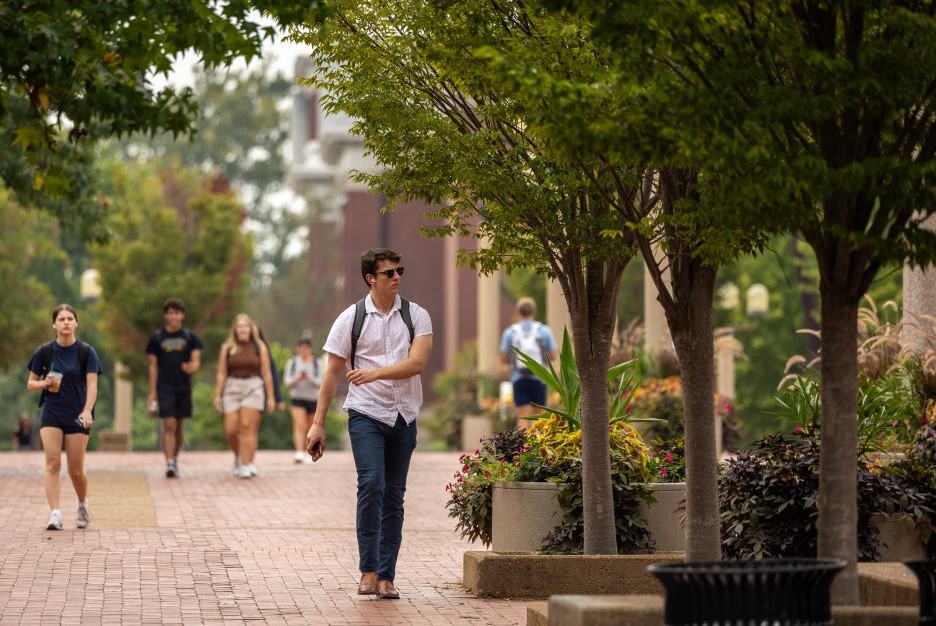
column 118, row 438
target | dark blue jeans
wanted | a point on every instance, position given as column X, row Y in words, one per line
column 382, row 457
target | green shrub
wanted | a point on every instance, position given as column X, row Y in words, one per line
column 768, row 501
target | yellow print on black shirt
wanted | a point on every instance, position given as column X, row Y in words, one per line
column 173, row 344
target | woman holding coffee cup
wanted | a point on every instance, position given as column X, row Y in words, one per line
column 65, row 371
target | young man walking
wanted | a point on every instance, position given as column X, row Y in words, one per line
column 535, row 340
column 382, row 368
column 174, row 354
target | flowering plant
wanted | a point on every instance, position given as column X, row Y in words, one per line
column 470, row 492
column 550, row 451
column 667, row 462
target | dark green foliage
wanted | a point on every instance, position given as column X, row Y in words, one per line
column 631, row 532
column 918, row 473
column 768, row 501
column 471, row 491
column 91, row 63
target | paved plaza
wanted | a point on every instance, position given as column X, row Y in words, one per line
column 208, row 548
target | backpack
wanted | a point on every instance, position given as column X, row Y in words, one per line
column 45, row 362
column 360, row 311
column 531, row 342
column 293, row 365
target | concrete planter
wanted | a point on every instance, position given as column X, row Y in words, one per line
column 473, row 428
column 523, row 514
column 900, row 539
column 666, row 518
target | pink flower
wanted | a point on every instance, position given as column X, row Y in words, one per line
column 669, row 457
column 487, row 474
column 663, row 471
column 466, row 468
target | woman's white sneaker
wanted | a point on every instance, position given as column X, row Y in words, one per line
column 83, row 519
column 55, row 520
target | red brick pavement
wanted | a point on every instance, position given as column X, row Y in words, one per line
column 209, row 548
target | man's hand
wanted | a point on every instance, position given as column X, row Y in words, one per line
column 189, row 367
column 361, row 377
column 315, row 442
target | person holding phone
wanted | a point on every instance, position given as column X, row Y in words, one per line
column 65, row 372
column 303, row 379
column 382, row 365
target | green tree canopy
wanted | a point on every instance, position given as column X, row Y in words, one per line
column 171, row 235
column 448, row 126
column 821, row 118
column 74, row 69
column 27, row 302
column 239, row 132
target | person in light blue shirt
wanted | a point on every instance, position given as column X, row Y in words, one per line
column 535, row 340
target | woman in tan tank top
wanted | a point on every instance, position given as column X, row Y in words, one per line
column 243, row 389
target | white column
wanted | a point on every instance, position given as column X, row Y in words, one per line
column 919, row 298
column 450, row 313
column 727, row 348
column 557, row 311
column 120, row 437
column 489, row 329
column 657, row 336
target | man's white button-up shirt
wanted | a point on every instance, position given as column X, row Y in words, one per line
column 384, row 341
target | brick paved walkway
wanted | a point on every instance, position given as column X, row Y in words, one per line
column 209, row 548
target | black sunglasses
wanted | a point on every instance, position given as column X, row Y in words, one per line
column 392, row 272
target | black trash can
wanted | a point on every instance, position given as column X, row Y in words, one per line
column 925, row 570
column 766, row 592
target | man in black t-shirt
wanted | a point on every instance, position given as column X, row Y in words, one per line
column 174, row 354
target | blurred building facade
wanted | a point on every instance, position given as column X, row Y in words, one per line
column 345, row 219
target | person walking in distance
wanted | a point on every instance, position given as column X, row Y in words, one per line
column 380, row 345
column 65, row 372
column 303, row 379
column 535, row 340
column 23, row 435
column 174, row 354
column 243, row 388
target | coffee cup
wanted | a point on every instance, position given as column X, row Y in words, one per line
column 55, row 380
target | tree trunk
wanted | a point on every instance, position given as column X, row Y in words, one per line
column 598, row 497
column 687, row 301
column 838, row 488
column 691, row 328
column 591, row 293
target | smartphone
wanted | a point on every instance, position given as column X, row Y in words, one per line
column 317, row 451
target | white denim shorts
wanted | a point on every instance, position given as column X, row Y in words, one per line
column 243, row 393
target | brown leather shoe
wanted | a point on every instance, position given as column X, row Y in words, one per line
column 368, row 585
column 386, row 590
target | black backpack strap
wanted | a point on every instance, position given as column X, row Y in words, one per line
column 45, row 363
column 84, row 351
column 407, row 318
column 359, row 313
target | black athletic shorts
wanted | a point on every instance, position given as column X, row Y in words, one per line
column 177, row 404
column 308, row 405
column 67, row 426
